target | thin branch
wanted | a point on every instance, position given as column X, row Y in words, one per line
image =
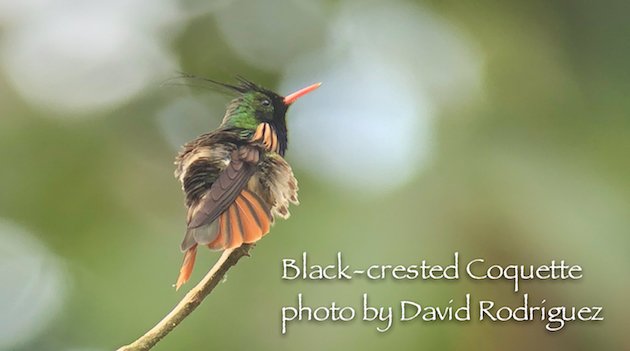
column 192, row 299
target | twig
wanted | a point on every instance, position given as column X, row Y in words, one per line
column 192, row 299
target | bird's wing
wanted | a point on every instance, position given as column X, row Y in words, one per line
column 228, row 214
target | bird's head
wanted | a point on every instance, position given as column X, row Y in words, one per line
column 261, row 113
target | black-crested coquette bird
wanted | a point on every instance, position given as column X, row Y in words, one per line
column 235, row 178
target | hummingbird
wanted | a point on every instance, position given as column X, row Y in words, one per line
column 235, row 178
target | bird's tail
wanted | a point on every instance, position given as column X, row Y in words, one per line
column 187, row 267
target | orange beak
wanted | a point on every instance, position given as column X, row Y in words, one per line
column 289, row 99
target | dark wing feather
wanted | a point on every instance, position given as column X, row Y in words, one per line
column 226, row 188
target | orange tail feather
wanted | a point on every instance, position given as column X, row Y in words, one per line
column 187, row 267
column 245, row 221
column 219, row 243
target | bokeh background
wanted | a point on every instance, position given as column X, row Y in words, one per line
column 496, row 129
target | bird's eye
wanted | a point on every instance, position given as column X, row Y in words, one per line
column 266, row 102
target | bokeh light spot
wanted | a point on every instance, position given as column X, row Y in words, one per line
column 33, row 285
